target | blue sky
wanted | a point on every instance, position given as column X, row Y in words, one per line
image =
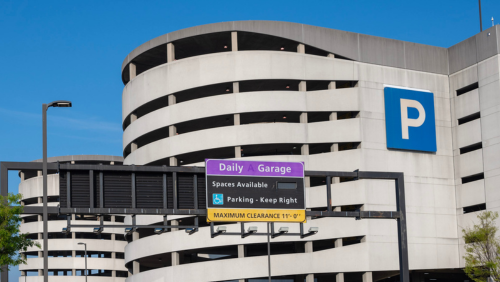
column 73, row 50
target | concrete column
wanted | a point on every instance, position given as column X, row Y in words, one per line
column 234, row 41
column 236, row 119
column 136, row 267
column 309, row 249
column 367, row 277
column 22, row 176
column 332, row 85
column 339, row 277
column 334, row 147
column 175, row 258
column 236, row 87
column 172, row 100
column 237, row 152
column 72, row 162
column 38, row 173
column 301, row 48
column 40, row 272
column 331, row 56
column 170, row 52
column 73, row 272
column 133, row 117
column 172, row 130
column 173, row 161
column 302, row 86
column 174, row 223
column 241, row 251
column 132, row 70
column 112, row 163
column 175, row 255
column 133, row 146
column 113, row 273
column 73, row 253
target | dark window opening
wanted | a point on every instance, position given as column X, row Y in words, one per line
column 120, row 273
column 467, row 88
column 340, row 84
column 269, row 85
column 469, row 118
column 31, row 218
column 93, row 254
column 203, row 44
column 32, row 236
column 320, row 148
column 315, row 85
column 119, row 218
column 348, row 146
column 318, row 116
column 199, row 156
column 204, row 123
column 270, row 150
column 89, row 217
column 31, row 254
column 120, row 237
column 270, row 117
column 85, row 235
column 471, row 178
column 120, row 255
column 471, row 148
column 52, row 217
column 351, row 207
column 147, row 60
column 56, row 254
column 254, row 250
column 30, row 201
column 249, row 41
column 475, row 208
column 52, row 199
column 351, row 240
column 346, row 115
column 316, row 51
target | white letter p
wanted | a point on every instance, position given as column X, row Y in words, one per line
column 405, row 121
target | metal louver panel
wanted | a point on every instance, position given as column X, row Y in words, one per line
column 63, row 188
column 185, row 186
column 149, row 190
column 80, row 196
column 117, row 190
column 97, row 190
column 202, row 191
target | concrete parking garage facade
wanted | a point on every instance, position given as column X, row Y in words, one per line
column 293, row 92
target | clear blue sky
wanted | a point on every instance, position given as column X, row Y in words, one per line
column 51, row 50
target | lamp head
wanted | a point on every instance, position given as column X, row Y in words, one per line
column 158, row 230
column 60, row 104
column 313, row 230
column 283, row 230
column 252, row 229
column 221, row 229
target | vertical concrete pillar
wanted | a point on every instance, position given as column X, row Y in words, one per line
column 237, row 152
column 332, row 85
column 72, row 162
column 236, row 87
column 172, row 130
column 339, row 277
column 309, row 249
column 73, row 272
column 331, row 56
column 113, row 256
column 302, row 86
column 136, row 267
column 367, row 277
column 132, row 70
column 22, row 176
column 133, row 146
column 334, row 147
column 38, row 173
column 234, row 41
column 170, row 52
column 241, row 251
column 175, row 255
column 301, row 48
column 133, row 117
column 236, row 119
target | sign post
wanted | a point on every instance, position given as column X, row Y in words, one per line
column 255, row 191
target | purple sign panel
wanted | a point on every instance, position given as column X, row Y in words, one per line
column 254, row 168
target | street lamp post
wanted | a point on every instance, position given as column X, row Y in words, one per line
column 45, row 107
column 85, row 259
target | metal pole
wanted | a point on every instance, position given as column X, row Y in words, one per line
column 480, row 17
column 404, row 268
column 45, row 214
column 268, row 252
column 86, row 270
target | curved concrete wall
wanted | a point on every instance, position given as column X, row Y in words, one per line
column 228, row 67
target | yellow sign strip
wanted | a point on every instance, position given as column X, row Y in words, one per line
column 263, row 215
